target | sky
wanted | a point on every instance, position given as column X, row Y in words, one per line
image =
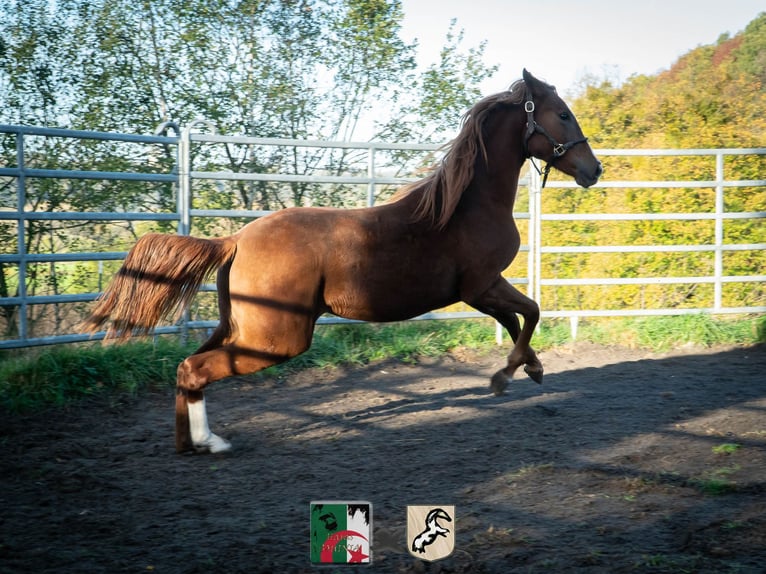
column 561, row 41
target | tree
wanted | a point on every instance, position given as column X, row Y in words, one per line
column 305, row 69
column 299, row 69
column 712, row 97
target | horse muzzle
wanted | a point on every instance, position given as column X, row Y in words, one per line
column 587, row 178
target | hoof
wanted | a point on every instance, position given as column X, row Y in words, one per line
column 498, row 383
column 536, row 374
column 212, row 444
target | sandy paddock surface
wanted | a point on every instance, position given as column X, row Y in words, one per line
column 617, row 463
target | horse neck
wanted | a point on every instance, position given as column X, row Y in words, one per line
column 496, row 179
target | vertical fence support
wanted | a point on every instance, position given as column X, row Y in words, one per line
column 498, row 333
column 371, row 175
column 184, row 201
column 719, row 209
column 21, row 240
column 535, row 235
column 574, row 322
column 183, row 160
column 534, row 188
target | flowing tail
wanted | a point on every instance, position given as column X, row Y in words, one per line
column 160, row 274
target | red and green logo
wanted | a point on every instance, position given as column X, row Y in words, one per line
column 341, row 532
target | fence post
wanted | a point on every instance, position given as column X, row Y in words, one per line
column 179, row 169
column 534, row 264
column 719, row 209
column 21, row 242
column 184, row 181
column 534, row 187
column 371, row 175
column 535, row 234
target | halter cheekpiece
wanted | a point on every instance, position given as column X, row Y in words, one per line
column 533, row 128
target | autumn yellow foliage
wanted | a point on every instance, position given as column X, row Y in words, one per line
column 712, row 97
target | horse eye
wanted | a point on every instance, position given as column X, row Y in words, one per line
column 564, row 115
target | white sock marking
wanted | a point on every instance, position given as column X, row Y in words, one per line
column 203, row 439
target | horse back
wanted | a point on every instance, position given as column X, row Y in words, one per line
column 371, row 264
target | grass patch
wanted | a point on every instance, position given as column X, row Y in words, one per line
column 727, row 448
column 61, row 374
column 665, row 333
column 715, row 486
column 57, row 375
column 362, row 343
column 717, row 482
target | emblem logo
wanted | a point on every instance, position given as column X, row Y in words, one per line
column 341, row 532
column 431, row 531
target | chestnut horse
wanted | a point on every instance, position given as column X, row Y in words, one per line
column 443, row 239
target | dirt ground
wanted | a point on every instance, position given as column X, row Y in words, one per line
column 617, row 463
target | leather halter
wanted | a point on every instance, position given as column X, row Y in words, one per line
column 533, row 128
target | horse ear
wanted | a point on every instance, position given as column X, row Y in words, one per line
column 537, row 87
column 530, row 80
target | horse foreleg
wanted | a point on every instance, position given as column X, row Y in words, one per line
column 502, row 301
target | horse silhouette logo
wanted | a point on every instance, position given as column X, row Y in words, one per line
column 431, row 531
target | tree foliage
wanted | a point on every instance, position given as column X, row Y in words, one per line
column 712, row 97
column 339, row 69
column 285, row 68
column 303, row 69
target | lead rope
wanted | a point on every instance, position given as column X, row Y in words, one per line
column 543, row 172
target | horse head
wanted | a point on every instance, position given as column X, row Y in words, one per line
column 554, row 136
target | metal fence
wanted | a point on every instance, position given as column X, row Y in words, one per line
column 720, row 216
column 186, row 145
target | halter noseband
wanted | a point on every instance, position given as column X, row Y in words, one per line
column 533, row 128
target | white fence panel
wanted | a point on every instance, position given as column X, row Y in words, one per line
column 373, row 174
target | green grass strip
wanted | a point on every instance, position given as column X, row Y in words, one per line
column 35, row 378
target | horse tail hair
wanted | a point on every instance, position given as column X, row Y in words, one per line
column 160, row 275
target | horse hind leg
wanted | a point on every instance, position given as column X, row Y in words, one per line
column 194, row 374
column 192, row 429
column 183, row 437
column 192, row 432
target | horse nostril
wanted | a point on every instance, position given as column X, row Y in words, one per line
column 599, row 170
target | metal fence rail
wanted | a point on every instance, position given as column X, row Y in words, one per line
column 372, row 180
column 183, row 176
column 21, row 172
column 720, row 184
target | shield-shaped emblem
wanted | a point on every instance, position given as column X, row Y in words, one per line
column 341, row 532
column 431, row 531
